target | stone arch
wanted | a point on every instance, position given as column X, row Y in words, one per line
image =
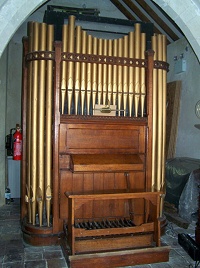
column 184, row 12
column 12, row 14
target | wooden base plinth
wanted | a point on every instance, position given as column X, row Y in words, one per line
column 120, row 258
column 40, row 236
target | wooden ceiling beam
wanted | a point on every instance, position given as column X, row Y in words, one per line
column 126, row 13
column 138, row 12
column 158, row 20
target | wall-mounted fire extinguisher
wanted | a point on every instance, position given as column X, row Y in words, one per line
column 17, row 144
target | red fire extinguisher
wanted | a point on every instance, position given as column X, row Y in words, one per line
column 17, row 144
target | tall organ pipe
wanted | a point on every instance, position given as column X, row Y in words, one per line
column 137, row 69
column 131, row 73
column 29, row 121
column 110, row 82
column 120, row 76
column 49, row 107
column 64, row 67
column 34, row 124
column 154, row 116
column 94, row 74
column 100, row 72
column 143, row 82
column 105, row 67
column 41, row 123
column 115, row 68
column 70, row 78
column 164, row 58
column 160, row 116
column 125, row 75
column 77, row 70
column 89, row 74
column 83, row 72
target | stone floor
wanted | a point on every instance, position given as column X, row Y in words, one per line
column 14, row 253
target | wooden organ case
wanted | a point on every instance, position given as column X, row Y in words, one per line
column 94, row 150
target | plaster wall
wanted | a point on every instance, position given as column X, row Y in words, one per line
column 13, row 91
column 3, row 86
column 188, row 137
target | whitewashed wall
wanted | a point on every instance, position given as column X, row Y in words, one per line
column 188, row 138
column 3, row 86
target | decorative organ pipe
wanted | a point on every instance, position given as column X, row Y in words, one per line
column 34, row 118
column 105, row 78
column 78, row 70
column 39, row 123
column 131, row 72
column 49, row 107
column 120, row 84
column 102, row 71
column 125, row 75
column 70, row 67
column 120, row 76
column 28, row 125
column 115, row 77
column 110, row 69
column 94, row 74
column 137, row 69
column 154, row 116
column 159, row 116
column 164, row 79
column 89, row 74
column 64, row 67
column 83, row 72
column 142, row 77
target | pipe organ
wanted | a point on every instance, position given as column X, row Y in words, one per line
column 94, row 113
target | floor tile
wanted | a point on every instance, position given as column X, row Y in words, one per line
column 15, row 253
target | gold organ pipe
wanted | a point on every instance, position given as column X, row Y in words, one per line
column 137, row 69
column 94, row 74
column 64, row 67
column 28, row 120
column 48, row 148
column 164, row 100
column 100, row 71
column 120, row 75
column 77, row 69
column 115, row 78
column 160, row 117
column 34, row 124
column 143, row 85
column 105, row 78
column 154, row 116
column 83, row 72
column 70, row 84
column 164, row 58
column 89, row 74
column 40, row 124
column 131, row 72
column 125, row 75
column 110, row 89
